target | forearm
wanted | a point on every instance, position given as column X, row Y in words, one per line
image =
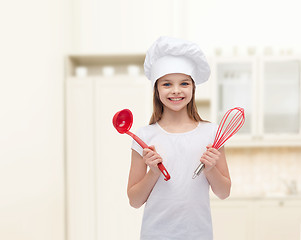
column 139, row 193
column 220, row 184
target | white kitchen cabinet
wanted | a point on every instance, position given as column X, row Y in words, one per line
column 235, row 86
column 113, row 153
column 231, row 219
column 277, row 220
column 80, row 159
column 269, row 90
column 98, row 157
column 280, row 96
column 256, row 219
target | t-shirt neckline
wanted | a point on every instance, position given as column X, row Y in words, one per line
column 180, row 133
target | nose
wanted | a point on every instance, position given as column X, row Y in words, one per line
column 176, row 89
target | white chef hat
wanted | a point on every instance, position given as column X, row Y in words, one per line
column 171, row 55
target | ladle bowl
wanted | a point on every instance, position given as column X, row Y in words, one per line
column 123, row 121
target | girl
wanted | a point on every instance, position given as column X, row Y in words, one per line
column 178, row 137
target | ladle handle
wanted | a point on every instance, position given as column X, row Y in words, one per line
column 144, row 145
column 164, row 171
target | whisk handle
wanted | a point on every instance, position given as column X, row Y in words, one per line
column 198, row 171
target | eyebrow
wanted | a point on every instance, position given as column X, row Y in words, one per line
column 168, row 80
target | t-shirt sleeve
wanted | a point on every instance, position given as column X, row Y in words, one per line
column 135, row 146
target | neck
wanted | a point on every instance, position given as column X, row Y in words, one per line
column 174, row 118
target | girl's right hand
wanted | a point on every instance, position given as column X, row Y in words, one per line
column 151, row 159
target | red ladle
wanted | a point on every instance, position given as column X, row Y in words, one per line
column 123, row 121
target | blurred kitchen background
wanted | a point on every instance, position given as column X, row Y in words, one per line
column 67, row 66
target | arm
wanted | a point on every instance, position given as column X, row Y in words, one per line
column 216, row 171
column 141, row 183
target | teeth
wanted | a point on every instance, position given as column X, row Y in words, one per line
column 176, row 99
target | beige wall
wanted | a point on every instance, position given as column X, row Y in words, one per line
column 131, row 26
column 34, row 37
column 264, row 171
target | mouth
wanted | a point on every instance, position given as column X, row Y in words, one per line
column 178, row 99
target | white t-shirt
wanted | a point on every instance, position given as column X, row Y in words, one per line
column 178, row 209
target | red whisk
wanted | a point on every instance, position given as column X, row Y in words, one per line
column 233, row 126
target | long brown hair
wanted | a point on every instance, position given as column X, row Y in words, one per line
column 158, row 106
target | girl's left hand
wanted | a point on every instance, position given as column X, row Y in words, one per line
column 210, row 158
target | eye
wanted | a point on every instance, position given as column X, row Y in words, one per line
column 185, row 83
column 166, row 84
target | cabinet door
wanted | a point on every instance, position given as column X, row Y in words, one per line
column 235, row 84
column 115, row 218
column 232, row 220
column 278, row 220
column 98, row 157
column 80, row 159
column 281, row 97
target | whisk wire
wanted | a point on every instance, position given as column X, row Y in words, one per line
column 231, row 128
column 226, row 136
column 220, row 127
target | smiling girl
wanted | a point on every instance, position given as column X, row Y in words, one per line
column 178, row 208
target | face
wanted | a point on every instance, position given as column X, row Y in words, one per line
column 175, row 91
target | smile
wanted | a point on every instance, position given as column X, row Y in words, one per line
column 176, row 99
